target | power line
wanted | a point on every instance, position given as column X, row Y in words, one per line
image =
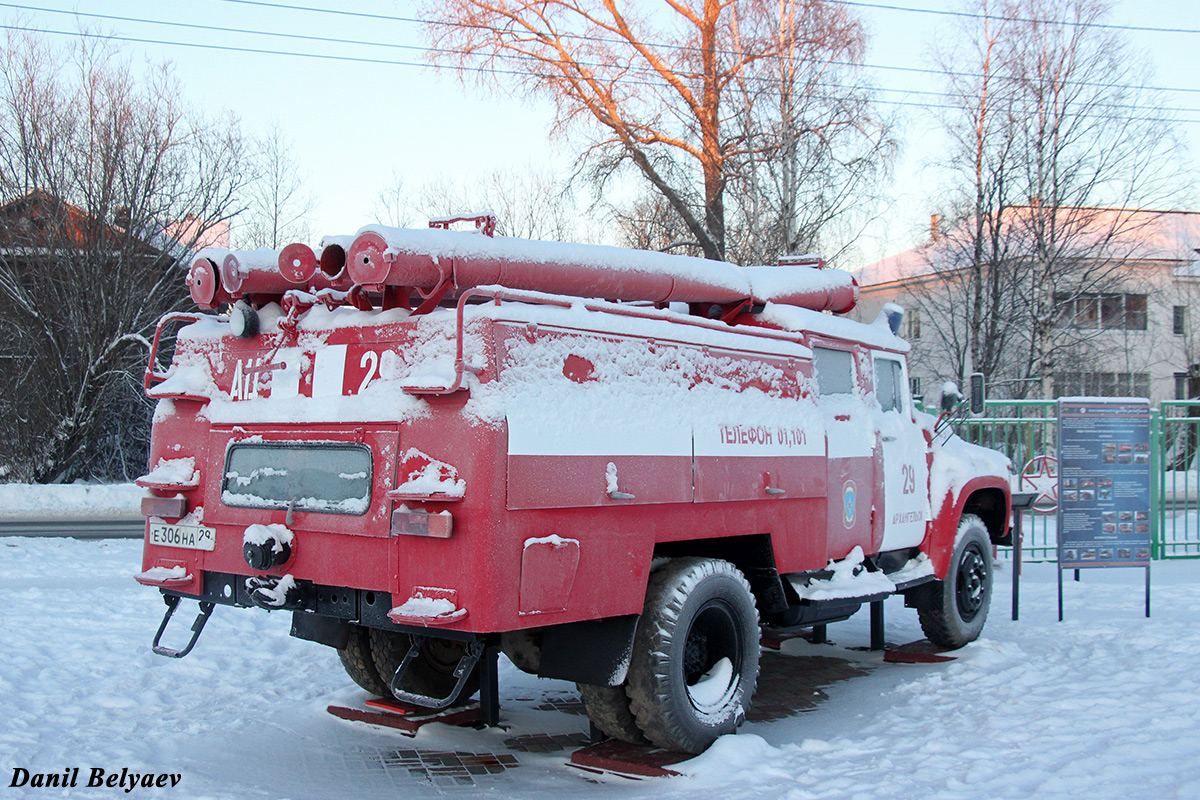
column 479, row 70
column 420, row 49
column 603, row 40
column 1029, row 20
column 418, row 21
column 483, row 70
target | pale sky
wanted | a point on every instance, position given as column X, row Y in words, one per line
column 355, row 124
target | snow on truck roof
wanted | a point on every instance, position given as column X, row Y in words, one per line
column 689, row 277
column 439, row 243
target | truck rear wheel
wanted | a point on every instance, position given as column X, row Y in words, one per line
column 695, row 654
column 608, row 709
column 964, row 596
column 431, row 673
column 359, row 664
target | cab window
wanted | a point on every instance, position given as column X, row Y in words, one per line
column 835, row 371
column 889, row 384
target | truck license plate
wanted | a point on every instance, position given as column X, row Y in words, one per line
column 190, row 537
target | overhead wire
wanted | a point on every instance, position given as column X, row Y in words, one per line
column 274, row 4
column 941, row 12
column 489, row 70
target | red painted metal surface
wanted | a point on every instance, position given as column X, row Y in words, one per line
column 630, row 760
column 544, row 534
column 204, row 284
column 405, row 719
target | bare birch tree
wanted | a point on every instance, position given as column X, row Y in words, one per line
column 277, row 204
column 98, row 171
column 973, row 311
column 530, row 203
column 816, row 152
column 669, row 90
column 1057, row 143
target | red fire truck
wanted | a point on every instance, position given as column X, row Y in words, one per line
column 613, row 466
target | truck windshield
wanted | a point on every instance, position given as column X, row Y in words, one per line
column 328, row 478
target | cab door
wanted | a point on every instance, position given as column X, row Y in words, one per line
column 850, row 442
column 904, row 466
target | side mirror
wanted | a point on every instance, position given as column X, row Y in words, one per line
column 978, row 393
column 951, row 396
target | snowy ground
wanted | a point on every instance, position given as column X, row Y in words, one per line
column 1103, row 705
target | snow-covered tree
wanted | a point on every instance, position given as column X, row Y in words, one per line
column 107, row 180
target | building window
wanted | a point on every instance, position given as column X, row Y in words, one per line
column 1102, row 384
column 1179, row 320
column 1110, row 311
column 1181, row 385
column 914, row 384
column 912, row 324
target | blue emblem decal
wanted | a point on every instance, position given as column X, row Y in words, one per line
column 848, row 503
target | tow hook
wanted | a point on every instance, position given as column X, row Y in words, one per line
column 272, row 593
column 172, row 601
column 264, row 555
column 461, row 672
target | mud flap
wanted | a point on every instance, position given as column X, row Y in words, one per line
column 461, row 672
column 172, row 601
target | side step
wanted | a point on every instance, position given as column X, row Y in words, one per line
column 628, row 760
column 172, row 601
column 461, row 672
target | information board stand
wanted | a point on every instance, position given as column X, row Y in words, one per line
column 1022, row 503
column 1103, row 486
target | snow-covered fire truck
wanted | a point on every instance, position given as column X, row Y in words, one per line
column 613, row 466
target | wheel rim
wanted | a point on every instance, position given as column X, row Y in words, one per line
column 712, row 657
column 442, row 655
column 971, row 588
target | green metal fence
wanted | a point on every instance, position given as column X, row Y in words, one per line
column 1173, row 451
column 1027, row 432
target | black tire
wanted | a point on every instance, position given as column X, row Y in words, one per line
column 963, row 598
column 608, row 709
column 360, row 665
column 698, row 614
column 431, row 673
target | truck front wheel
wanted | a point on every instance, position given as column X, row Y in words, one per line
column 695, row 654
column 962, row 599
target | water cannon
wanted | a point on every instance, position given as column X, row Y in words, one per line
column 219, row 276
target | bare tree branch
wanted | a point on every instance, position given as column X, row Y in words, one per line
column 687, row 94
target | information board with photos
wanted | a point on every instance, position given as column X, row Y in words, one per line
column 1103, row 482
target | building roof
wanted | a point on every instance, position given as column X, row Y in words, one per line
column 39, row 221
column 1115, row 234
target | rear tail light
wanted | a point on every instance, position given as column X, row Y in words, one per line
column 407, row 522
column 164, row 507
